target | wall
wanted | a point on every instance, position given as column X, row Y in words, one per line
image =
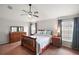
column 50, row 24
column 5, row 28
column 11, row 17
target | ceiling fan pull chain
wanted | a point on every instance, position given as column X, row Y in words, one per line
column 29, row 7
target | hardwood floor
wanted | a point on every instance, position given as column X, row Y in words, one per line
column 14, row 49
column 17, row 49
column 60, row 51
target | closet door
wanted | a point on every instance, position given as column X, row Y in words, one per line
column 67, row 32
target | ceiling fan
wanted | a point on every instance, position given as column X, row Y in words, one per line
column 30, row 13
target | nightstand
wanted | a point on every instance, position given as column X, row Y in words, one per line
column 56, row 41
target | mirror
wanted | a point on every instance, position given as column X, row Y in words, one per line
column 16, row 28
column 33, row 28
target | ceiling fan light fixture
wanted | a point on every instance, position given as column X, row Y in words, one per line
column 29, row 16
column 31, row 13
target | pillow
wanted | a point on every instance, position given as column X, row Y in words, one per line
column 44, row 32
column 39, row 32
column 48, row 32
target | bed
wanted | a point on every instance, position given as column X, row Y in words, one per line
column 41, row 41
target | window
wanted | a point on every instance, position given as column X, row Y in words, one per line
column 67, row 30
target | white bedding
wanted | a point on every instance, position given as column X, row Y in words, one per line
column 42, row 40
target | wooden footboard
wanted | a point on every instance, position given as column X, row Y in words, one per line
column 32, row 45
column 29, row 43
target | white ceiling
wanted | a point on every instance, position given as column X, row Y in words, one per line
column 46, row 11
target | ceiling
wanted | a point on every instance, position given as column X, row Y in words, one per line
column 46, row 11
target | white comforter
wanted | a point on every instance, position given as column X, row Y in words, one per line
column 42, row 40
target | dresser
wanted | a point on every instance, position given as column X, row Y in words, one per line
column 15, row 36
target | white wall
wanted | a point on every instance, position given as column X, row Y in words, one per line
column 50, row 24
column 5, row 28
column 11, row 17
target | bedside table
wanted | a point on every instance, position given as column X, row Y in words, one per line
column 56, row 41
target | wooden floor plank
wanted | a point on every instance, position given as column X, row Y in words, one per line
column 17, row 49
column 14, row 49
column 60, row 51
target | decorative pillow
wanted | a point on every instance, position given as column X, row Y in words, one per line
column 43, row 32
column 48, row 32
column 39, row 32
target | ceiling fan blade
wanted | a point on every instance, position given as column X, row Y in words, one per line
column 23, row 14
column 24, row 11
column 35, row 16
column 36, row 12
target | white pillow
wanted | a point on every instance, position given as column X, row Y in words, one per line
column 39, row 32
column 48, row 32
column 44, row 32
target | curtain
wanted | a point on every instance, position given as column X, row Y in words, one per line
column 75, row 42
column 60, row 29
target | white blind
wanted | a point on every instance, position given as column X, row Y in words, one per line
column 67, row 30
